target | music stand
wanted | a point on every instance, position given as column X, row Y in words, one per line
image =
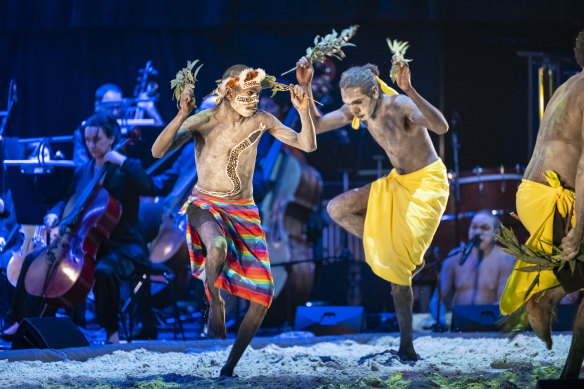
column 34, row 194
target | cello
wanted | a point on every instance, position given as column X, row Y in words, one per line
column 34, row 239
column 63, row 272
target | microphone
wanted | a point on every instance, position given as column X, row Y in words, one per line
column 468, row 248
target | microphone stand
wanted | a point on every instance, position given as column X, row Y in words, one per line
column 437, row 326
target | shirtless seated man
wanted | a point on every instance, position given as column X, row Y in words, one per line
column 481, row 278
column 226, row 243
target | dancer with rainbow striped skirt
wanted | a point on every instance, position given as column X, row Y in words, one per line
column 226, row 243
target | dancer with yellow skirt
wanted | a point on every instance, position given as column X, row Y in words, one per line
column 396, row 216
column 550, row 203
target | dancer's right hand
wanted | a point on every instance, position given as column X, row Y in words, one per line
column 187, row 100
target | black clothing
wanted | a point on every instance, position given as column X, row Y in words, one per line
column 24, row 304
column 119, row 256
column 125, row 183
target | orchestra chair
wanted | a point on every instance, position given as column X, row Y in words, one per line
column 156, row 273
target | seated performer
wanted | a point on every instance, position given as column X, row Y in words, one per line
column 110, row 101
column 482, row 276
column 550, row 201
column 124, row 251
column 396, row 216
column 226, row 242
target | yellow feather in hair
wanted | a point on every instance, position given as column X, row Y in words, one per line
column 386, row 88
column 218, row 100
column 355, row 123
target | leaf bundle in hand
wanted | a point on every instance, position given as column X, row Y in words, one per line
column 330, row 45
column 536, row 260
column 183, row 77
column 398, row 50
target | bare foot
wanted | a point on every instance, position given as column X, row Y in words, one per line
column 407, row 353
column 540, row 311
column 216, row 323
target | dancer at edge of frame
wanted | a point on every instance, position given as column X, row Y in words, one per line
column 550, row 202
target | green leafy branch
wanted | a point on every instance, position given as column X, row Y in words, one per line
column 398, row 49
column 184, row 77
column 537, row 260
column 330, row 45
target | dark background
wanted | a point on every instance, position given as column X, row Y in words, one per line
column 465, row 59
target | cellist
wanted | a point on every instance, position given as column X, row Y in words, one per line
column 125, row 252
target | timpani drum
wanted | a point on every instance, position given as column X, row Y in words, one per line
column 491, row 189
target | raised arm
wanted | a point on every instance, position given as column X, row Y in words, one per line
column 330, row 121
column 421, row 112
column 180, row 129
column 305, row 140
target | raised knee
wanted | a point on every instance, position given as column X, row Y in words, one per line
column 334, row 210
column 218, row 246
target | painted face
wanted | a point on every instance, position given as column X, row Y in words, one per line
column 361, row 105
column 482, row 225
column 97, row 142
column 245, row 101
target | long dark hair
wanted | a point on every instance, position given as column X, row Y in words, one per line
column 108, row 124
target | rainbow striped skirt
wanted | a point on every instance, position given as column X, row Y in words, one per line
column 246, row 272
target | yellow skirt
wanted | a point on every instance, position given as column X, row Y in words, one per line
column 403, row 213
column 536, row 205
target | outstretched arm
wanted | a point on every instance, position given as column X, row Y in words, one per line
column 422, row 112
column 305, row 140
column 330, row 121
column 180, row 129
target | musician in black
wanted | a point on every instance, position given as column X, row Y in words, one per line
column 125, row 252
column 110, row 101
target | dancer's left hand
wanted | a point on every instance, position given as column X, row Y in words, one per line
column 298, row 97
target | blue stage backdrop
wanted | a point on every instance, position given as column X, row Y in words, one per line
column 465, row 57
